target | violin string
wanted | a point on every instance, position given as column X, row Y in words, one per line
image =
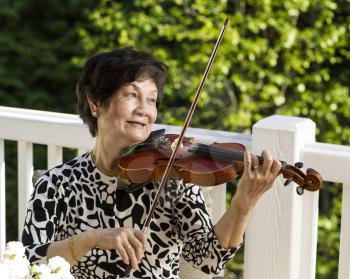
column 209, row 150
column 202, row 148
column 220, row 152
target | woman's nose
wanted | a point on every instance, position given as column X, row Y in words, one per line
column 141, row 106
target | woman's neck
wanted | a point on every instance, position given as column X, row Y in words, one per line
column 106, row 156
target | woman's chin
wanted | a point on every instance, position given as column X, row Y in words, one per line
column 138, row 136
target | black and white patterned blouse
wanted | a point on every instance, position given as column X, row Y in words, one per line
column 76, row 197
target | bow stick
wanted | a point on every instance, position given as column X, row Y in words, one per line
column 181, row 136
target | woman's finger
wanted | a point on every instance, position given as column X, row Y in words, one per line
column 276, row 167
column 247, row 161
column 132, row 255
column 267, row 164
column 137, row 246
column 121, row 250
column 141, row 236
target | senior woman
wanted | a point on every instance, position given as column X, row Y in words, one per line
column 82, row 210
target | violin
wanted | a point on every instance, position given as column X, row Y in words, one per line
column 201, row 164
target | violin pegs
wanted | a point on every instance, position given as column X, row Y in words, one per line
column 310, row 170
column 300, row 190
column 289, row 180
column 299, row 165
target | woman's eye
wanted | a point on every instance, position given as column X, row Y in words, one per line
column 153, row 100
column 132, row 94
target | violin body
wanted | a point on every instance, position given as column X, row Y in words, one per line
column 201, row 169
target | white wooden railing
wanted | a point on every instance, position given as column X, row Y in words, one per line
column 59, row 130
column 281, row 238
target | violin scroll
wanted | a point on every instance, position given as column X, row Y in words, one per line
column 311, row 181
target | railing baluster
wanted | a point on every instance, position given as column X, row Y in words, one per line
column 344, row 251
column 54, row 155
column 25, row 186
column 81, row 151
column 2, row 200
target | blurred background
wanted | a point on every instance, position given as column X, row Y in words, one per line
column 288, row 57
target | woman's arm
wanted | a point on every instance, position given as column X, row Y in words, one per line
column 129, row 244
column 231, row 227
column 201, row 247
column 44, row 213
column 252, row 185
column 72, row 249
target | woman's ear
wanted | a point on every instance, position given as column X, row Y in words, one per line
column 94, row 108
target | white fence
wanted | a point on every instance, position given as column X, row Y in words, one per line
column 281, row 238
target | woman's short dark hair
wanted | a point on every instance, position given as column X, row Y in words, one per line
column 107, row 72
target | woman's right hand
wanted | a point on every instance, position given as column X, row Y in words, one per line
column 129, row 243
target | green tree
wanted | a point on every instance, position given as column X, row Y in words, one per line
column 276, row 58
column 38, row 40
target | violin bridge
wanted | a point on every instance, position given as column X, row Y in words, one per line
column 174, row 143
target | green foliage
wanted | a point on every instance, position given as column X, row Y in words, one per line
column 278, row 57
column 328, row 239
column 38, row 40
column 328, row 231
column 11, row 191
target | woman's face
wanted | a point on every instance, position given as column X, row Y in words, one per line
column 130, row 113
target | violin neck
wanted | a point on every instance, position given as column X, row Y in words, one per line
column 225, row 154
column 259, row 160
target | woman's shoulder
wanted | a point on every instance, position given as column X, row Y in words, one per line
column 81, row 161
column 67, row 170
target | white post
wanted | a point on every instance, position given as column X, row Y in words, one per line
column 344, row 250
column 54, row 155
column 2, row 200
column 81, row 151
column 25, row 186
column 281, row 238
column 218, row 207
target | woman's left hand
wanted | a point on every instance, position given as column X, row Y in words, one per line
column 254, row 182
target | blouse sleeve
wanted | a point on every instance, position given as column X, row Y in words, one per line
column 201, row 247
column 41, row 221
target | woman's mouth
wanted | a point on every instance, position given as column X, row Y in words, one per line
column 137, row 124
